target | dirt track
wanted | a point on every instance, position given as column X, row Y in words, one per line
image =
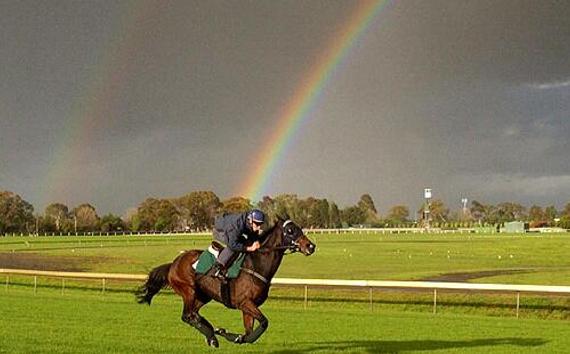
column 72, row 264
column 466, row 276
column 39, row 262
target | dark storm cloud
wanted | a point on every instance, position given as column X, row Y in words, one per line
column 470, row 98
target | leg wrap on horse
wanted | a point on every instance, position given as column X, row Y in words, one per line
column 199, row 323
column 202, row 325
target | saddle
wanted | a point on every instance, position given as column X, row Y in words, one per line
column 208, row 258
column 217, row 246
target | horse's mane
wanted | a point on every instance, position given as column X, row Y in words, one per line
column 267, row 233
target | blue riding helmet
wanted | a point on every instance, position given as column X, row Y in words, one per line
column 257, row 216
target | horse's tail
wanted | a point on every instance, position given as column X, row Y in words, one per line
column 157, row 280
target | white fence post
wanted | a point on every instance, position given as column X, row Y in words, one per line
column 518, row 302
column 306, row 297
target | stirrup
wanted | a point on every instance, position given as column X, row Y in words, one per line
column 219, row 272
column 220, row 275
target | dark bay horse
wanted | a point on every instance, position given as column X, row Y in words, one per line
column 246, row 292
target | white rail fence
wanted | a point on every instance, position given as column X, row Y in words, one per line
column 306, row 283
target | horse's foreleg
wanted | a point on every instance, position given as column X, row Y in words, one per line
column 247, row 323
column 248, row 337
column 251, row 312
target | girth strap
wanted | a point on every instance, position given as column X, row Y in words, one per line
column 255, row 274
column 226, row 293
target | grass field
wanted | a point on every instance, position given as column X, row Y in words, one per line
column 88, row 323
column 85, row 320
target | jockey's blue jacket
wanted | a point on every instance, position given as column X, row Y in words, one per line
column 233, row 231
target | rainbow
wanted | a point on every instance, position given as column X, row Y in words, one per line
column 89, row 113
column 307, row 94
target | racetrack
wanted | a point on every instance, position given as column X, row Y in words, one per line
column 518, row 259
column 84, row 320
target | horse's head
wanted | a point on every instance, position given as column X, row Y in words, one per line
column 295, row 240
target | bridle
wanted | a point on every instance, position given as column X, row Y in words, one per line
column 289, row 243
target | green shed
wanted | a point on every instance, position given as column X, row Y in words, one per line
column 515, row 226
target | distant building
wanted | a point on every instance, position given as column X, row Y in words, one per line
column 515, row 226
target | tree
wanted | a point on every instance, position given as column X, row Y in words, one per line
column 398, row 214
column 536, row 216
column 132, row 220
column 289, row 206
column 334, row 216
column 509, row 211
column 438, row 211
column 353, row 215
column 269, row 207
column 157, row 214
column 550, row 213
column 16, row 214
column 367, row 205
column 57, row 218
column 236, row 205
column 565, row 217
column 565, row 211
column 85, row 218
column 112, row 222
column 483, row 213
column 199, row 209
column 323, row 208
column 314, row 213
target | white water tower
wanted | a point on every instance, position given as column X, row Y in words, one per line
column 427, row 205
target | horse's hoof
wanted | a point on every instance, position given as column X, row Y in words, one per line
column 213, row 342
column 219, row 331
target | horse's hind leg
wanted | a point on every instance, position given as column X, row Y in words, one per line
column 190, row 315
column 236, row 337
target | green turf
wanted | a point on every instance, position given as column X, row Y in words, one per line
column 88, row 322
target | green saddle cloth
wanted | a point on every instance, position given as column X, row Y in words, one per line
column 207, row 259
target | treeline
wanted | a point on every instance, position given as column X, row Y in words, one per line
column 196, row 211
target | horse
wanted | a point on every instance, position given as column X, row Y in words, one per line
column 246, row 292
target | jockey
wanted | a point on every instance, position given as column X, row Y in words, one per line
column 239, row 233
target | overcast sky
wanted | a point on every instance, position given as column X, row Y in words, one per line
column 111, row 102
